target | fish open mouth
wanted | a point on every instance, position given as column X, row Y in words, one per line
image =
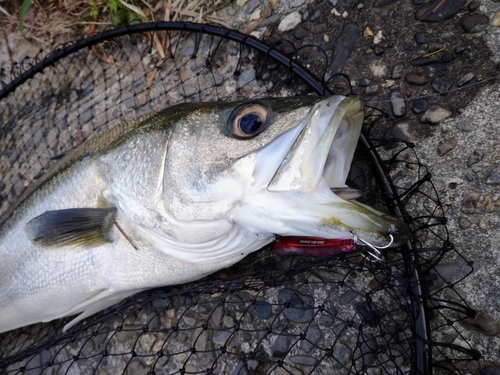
column 319, row 151
column 312, row 161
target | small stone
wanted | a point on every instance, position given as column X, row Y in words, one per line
column 446, row 145
column 475, row 157
column 300, row 32
column 255, row 16
column 319, row 28
column 269, row 21
column 438, row 10
column 398, row 103
column 424, row 61
column 474, row 23
column 488, row 205
column 383, row 3
column 465, row 79
column 397, row 72
column 339, row 329
column 245, row 77
column 441, row 86
column 342, row 355
column 251, row 6
column 300, row 306
column 435, row 114
column 446, row 57
column 263, row 309
column 295, row 3
column 315, row 15
column 313, row 335
column 420, row 106
column 368, row 349
column 474, row 5
column 326, row 320
column 335, row 12
column 305, row 15
column 218, row 80
column 290, row 21
column 494, row 178
column 228, row 321
column 417, row 78
column 363, row 82
column 464, row 126
column 473, row 367
column 378, row 37
column 18, row 187
column 483, row 224
column 378, row 50
column 345, row 15
column 252, row 365
column 233, row 51
column 188, row 51
column 464, row 223
column 14, row 155
column 241, row 368
column 433, row 47
column 89, row 115
column 348, row 297
column 303, row 360
column 422, row 38
column 496, row 20
column 400, row 130
column 334, row 3
column 281, row 346
column 368, row 33
column 469, row 202
column 221, row 337
column 491, row 370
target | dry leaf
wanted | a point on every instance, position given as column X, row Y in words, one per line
column 149, row 80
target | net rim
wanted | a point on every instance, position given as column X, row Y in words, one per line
column 420, row 327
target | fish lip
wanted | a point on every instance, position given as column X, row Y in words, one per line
column 323, row 149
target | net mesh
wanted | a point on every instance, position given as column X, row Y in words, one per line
column 267, row 314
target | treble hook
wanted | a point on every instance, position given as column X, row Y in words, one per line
column 375, row 253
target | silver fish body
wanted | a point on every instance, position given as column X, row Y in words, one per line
column 176, row 195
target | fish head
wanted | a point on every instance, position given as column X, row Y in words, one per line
column 212, row 158
column 267, row 167
column 233, row 175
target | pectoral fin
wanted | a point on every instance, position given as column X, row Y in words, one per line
column 84, row 227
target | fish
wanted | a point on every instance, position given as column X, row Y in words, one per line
column 178, row 194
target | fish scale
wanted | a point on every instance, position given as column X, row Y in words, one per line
column 180, row 210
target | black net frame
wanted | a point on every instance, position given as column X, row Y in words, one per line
column 419, row 334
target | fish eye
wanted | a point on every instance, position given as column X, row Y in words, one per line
column 248, row 121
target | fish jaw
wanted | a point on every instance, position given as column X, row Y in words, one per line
column 323, row 149
column 292, row 190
